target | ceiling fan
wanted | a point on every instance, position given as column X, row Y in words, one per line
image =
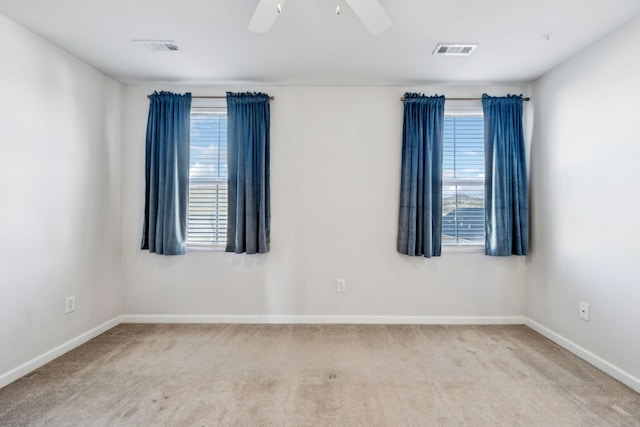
column 370, row 12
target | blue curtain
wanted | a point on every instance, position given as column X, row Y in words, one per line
column 420, row 219
column 248, row 161
column 506, row 189
column 167, row 174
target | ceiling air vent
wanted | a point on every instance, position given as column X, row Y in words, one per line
column 157, row 45
column 457, row 49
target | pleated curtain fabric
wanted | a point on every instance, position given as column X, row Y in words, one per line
column 248, row 122
column 167, row 174
column 506, row 188
column 420, row 216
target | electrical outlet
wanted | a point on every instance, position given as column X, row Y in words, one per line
column 584, row 311
column 69, row 304
column 341, row 285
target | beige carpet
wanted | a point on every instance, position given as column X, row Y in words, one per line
column 318, row 375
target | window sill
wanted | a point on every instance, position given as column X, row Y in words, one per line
column 463, row 248
column 205, row 248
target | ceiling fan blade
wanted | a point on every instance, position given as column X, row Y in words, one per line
column 372, row 14
column 265, row 15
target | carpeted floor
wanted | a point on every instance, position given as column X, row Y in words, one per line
column 318, row 375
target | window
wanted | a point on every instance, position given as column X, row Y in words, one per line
column 208, row 202
column 463, row 179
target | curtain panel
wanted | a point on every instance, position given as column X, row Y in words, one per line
column 506, row 189
column 248, row 121
column 167, row 173
column 420, row 216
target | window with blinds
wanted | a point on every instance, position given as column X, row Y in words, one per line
column 463, row 179
column 208, row 202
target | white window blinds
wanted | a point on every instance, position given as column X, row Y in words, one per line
column 208, row 202
column 463, row 179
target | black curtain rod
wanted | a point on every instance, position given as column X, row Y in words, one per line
column 213, row 97
column 219, row 97
column 464, row 99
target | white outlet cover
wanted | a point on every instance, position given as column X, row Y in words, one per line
column 69, row 304
column 584, row 311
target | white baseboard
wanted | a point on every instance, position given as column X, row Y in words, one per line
column 610, row 369
column 56, row 352
column 323, row 319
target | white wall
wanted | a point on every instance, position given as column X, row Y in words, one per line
column 60, row 189
column 335, row 180
column 585, row 204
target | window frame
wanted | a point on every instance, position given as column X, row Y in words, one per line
column 469, row 109
column 202, row 106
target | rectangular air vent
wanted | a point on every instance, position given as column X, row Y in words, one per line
column 157, row 45
column 457, row 49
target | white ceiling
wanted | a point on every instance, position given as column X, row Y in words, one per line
column 310, row 45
